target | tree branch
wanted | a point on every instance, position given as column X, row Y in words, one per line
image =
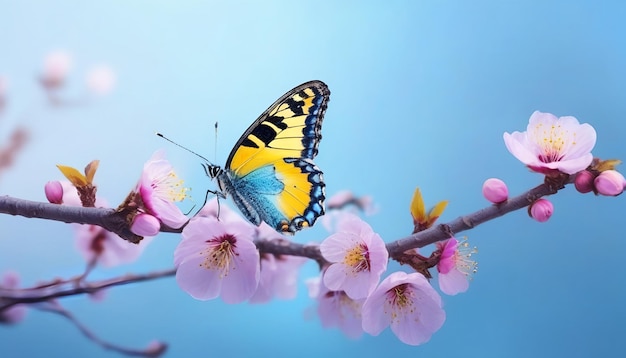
column 107, row 218
column 42, row 293
column 462, row 223
column 110, row 220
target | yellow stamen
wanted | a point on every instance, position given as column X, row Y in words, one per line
column 554, row 141
column 358, row 258
column 220, row 254
column 400, row 301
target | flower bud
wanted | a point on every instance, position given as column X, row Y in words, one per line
column 56, row 67
column 155, row 349
column 101, row 80
column 610, row 183
column 584, row 181
column 145, row 225
column 54, row 192
column 541, row 210
column 495, row 190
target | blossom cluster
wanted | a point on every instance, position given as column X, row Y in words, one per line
column 218, row 255
column 560, row 148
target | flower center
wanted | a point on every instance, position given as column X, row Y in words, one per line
column 170, row 187
column 346, row 306
column 463, row 258
column 358, row 258
column 399, row 301
column 98, row 239
column 553, row 142
column 220, row 254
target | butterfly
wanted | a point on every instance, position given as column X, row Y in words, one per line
column 270, row 173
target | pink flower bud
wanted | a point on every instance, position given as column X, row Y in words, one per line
column 56, row 66
column 145, row 225
column 101, row 79
column 495, row 190
column 155, row 349
column 54, row 192
column 541, row 210
column 584, row 181
column 610, row 183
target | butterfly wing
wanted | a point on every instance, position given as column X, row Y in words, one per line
column 271, row 168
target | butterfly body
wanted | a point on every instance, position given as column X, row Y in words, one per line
column 270, row 173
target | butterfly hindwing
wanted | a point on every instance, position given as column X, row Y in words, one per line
column 271, row 174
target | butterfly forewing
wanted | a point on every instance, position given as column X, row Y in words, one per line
column 289, row 128
column 280, row 145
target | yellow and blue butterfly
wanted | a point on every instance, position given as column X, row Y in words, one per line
column 270, row 173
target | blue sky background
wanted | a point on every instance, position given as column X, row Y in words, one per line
column 421, row 94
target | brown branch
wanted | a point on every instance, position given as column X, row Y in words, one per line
column 462, row 223
column 109, row 219
column 112, row 221
column 16, row 142
column 106, row 218
column 42, row 293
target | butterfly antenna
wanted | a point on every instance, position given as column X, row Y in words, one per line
column 185, row 148
column 215, row 151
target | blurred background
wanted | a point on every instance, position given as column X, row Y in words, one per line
column 422, row 92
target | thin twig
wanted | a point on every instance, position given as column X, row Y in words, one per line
column 10, row 297
column 153, row 350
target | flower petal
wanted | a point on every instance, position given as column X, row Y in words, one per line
column 453, row 282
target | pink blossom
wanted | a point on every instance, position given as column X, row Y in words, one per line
column 160, row 188
column 336, row 309
column 610, row 183
column 54, row 192
column 340, row 199
column 455, row 266
column 408, row 304
column 15, row 313
column 541, row 210
column 108, row 249
column 145, row 225
column 71, row 198
column 279, row 277
column 495, row 190
column 346, row 202
column 56, row 66
column 95, row 243
column 584, row 181
column 155, row 349
column 217, row 258
column 101, row 79
column 346, row 198
column 279, row 273
column 358, row 257
column 553, row 144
